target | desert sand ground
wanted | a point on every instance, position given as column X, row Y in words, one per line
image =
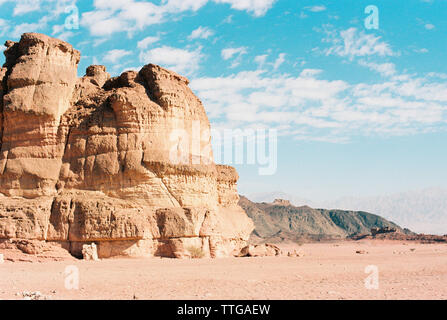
column 325, row 271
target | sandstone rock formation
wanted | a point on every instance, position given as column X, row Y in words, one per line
column 294, row 254
column 22, row 250
column 125, row 162
column 282, row 202
column 90, row 252
column 261, row 250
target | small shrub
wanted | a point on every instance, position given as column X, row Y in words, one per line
column 196, row 252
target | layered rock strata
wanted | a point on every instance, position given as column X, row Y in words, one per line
column 125, row 162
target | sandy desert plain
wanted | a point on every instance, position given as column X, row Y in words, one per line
column 332, row 271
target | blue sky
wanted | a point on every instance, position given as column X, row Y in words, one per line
column 359, row 111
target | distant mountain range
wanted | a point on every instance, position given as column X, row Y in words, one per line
column 282, row 221
column 422, row 211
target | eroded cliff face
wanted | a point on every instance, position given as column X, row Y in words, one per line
column 124, row 162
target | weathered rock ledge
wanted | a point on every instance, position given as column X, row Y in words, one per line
column 113, row 161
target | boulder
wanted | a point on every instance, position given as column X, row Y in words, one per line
column 30, row 246
column 97, row 75
column 33, row 251
column 90, row 252
column 376, row 231
column 282, row 202
column 260, row 250
column 294, row 254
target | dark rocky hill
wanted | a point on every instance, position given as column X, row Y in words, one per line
column 281, row 221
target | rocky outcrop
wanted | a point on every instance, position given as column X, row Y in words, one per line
column 400, row 236
column 90, row 252
column 124, row 162
column 261, row 250
column 21, row 250
column 282, row 222
column 40, row 77
column 375, row 231
column 282, row 202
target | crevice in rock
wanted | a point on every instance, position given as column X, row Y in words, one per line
column 152, row 168
column 70, row 216
column 22, row 83
column 69, row 222
column 12, row 54
column 1, row 122
column 51, row 217
column 149, row 91
column 59, row 184
column 67, row 139
column 170, row 193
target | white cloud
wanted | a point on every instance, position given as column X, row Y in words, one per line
column 113, row 56
column 235, row 54
column 429, row 26
column 281, row 59
column 256, row 7
column 385, row 69
column 58, row 29
column 60, row 32
column 267, row 99
column 229, row 53
column 26, row 6
column 65, row 36
column 179, row 60
column 29, row 27
column 352, row 43
column 318, row 8
column 226, row 96
column 99, row 41
column 183, row 5
column 102, row 24
column 112, row 16
column 136, row 69
column 115, row 16
column 146, row 42
column 437, row 75
column 201, row 33
column 310, row 73
column 53, row 8
column 309, row 108
column 261, row 59
column 422, row 50
column 58, row 7
column 228, row 19
column 4, row 27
